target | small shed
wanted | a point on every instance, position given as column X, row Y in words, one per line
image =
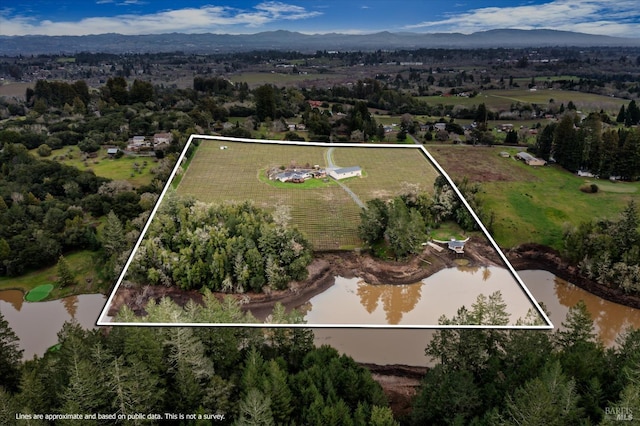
column 456, row 246
column 112, row 152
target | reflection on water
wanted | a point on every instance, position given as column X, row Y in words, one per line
column 354, row 302
column 396, row 299
column 403, row 346
column 610, row 319
column 37, row 323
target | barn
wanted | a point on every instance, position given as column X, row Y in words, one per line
column 345, row 172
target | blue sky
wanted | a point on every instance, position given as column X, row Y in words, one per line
column 80, row 17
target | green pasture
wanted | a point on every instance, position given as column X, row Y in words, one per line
column 503, row 99
column 533, row 204
column 82, row 264
column 118, row 169
column 323, row 211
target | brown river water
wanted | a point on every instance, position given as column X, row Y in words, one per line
column 353, row 302
column 37, row 324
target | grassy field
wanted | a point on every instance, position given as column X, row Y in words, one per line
column 532, row 204
column 502, row 99
column 82, row 265
column 325, row 213
column 117, row 169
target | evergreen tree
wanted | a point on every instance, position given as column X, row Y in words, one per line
column 446, row 397
column 65, row 276
column 255, row 410
column 632, row 117
column 567, row 147
column 112, row 236
column 265, row 100
column 10, row 357
column 621, row 115
column 550, row 399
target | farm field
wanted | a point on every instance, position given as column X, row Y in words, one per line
column 254, row 79
column 502, row 99
column 532, row 204
column 325, row 213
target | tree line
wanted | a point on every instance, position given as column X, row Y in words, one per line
column 229, row 248
column 607, row 251
column 586, row 145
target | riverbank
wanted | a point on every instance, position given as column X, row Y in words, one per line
column 327, row 265
column 536, row 256
column 321, row 276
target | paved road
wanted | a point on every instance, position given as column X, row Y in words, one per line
column 331, row 165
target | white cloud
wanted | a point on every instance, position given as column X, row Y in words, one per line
column 187, row 20
column 605, row 17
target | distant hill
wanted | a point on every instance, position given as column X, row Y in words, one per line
column 287, row 40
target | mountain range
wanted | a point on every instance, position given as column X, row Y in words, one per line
column 287, row 40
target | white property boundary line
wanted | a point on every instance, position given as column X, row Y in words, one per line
column 103, row 319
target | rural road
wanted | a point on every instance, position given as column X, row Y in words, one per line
column 331, row 165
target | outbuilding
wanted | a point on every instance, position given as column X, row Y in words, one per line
column 530, row 159
column 345, row 172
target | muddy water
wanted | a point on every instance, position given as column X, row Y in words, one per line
column 37, row 324
column 354, row 302
column 387, row 346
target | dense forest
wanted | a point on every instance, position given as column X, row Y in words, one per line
column 229, row 248
column 42, row 217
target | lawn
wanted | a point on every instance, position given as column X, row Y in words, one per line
column 82, row 265
column 532, row 204
column 136, row 170
column 323, row 211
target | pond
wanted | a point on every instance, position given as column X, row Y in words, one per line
column 37, row 323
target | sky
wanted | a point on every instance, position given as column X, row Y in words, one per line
column 81, row 17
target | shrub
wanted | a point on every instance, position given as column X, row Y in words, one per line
column 589, row 188
column 44, row 150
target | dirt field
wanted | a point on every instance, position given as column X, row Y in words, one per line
column 479, row 163
column 15, row 90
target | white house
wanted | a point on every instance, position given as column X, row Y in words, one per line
column 345, row 172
